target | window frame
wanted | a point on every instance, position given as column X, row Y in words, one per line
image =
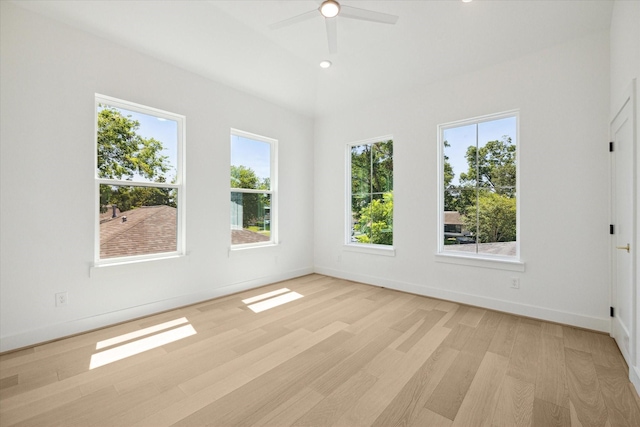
column 349, row 245
column 179, row 184
column 513, row 263
column 273, row 192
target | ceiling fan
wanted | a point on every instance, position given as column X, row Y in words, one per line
column 330, row 10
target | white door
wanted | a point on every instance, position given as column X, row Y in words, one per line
column 623, row 221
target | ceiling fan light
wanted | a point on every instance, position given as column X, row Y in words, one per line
column 330, row 8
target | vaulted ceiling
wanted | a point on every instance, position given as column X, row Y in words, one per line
column 231, row 42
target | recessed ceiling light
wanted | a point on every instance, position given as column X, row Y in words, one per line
column 325, row 64
column 466, row 1
column 329, row 8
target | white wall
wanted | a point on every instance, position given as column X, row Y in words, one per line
column 625, row 66
column 49, row 75
column 563, row 97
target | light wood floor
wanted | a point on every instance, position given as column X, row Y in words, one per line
column 344, row 354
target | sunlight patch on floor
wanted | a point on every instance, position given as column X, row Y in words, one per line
column 265, row 296
column 140, row 333
column 141, row 345
column 274, row 302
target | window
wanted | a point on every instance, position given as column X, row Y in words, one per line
column 478, row 174
column 370, row 192
column 253, row 184
column 139, row 181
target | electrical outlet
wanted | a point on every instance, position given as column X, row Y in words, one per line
column 339, row 259
column 61, row 299
column 515, row 283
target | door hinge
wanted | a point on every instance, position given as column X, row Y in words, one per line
column 611, row 312
column 611, row 146
column 611, row 229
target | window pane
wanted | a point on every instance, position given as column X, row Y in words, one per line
column 460, row 219
column 380, row 219
column 137, row 220
column 382, row 167
column 135, row 146
column 497, row 224
column 360, row 210
column 360, row 169
column 250, row 218
column 250, row 163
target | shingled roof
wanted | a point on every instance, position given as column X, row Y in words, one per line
column 146, row 230
column 247, row 236
column 453, row 218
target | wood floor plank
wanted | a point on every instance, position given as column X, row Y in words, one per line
column 604, row 351
column 392, row 381
column 332, row 407
column 431, row 419
column 515, row 404
column 621, row 406
column 457, row 315
column 430, row 320
column 408, row 403
column 505, row 336
column 472, row 316
column 338, row 374
column 481, row 400
column 549, row 415
column 523, row 362
column 584, row 388
column 450, row 392
column 576, row 339
column 551, row 384
column 290, row 411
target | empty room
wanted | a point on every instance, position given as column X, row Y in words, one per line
column 319, row 213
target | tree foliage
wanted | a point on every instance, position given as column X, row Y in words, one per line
column 496, row 218
column 125, row 154
column 492, row 166
column 376, row 221
column 486, row 195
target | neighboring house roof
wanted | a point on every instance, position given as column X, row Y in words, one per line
column 147, row 230
column 108, row 214
column 452, row 218
column 239, row 237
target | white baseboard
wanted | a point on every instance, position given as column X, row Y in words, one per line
column 61, row 330
column 634, row 377
column 542, row 313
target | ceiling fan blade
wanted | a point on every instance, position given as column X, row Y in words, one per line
column 367, row 15
column 332, row 34
column 299, row 18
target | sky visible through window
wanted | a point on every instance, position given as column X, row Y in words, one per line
column 460, row 138
column 163, row 130
column 252, row 154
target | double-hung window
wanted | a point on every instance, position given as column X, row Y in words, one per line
column 478, row 180
column 139, row 182
column 370, row 192
column 253, row 190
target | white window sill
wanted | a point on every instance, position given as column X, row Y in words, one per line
column 125, row 266
column 473, row 260
column 241, row 250
column 370, row 249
